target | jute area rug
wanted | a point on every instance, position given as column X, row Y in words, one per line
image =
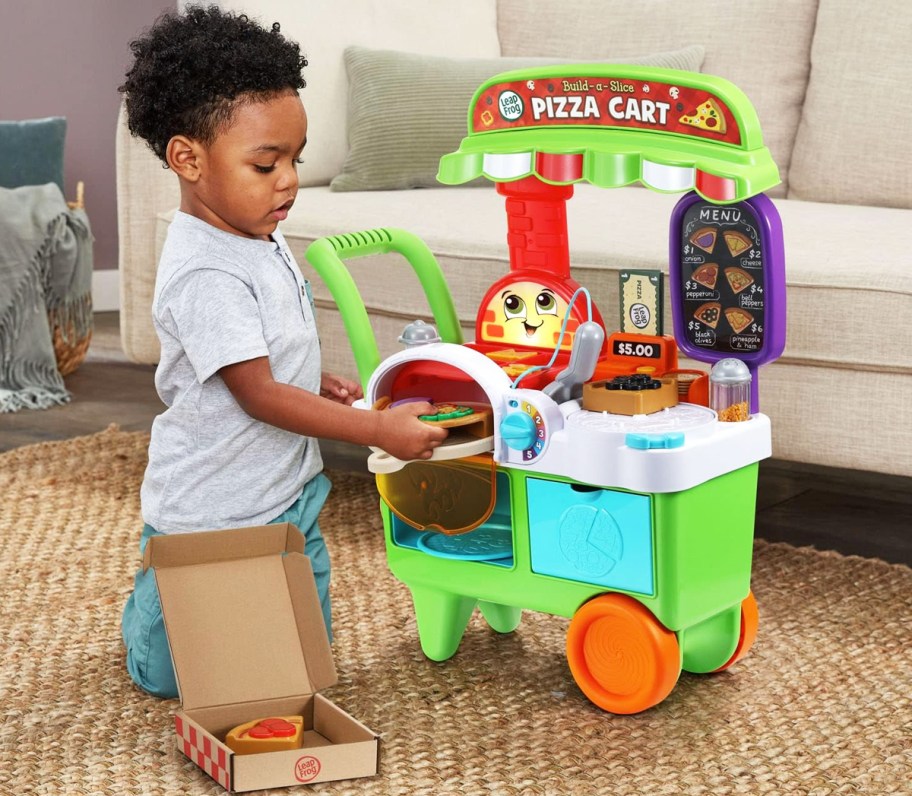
column 820, row 706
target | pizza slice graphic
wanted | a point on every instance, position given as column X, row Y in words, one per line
column 707, row 116
column 709, row 313
column 736, row 242
column 738, row 319
column 704, row 238
column 706, row 275
column 738, row 278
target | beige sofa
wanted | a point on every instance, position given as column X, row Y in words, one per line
column 831, row 82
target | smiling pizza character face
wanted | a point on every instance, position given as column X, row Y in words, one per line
column 526, row 314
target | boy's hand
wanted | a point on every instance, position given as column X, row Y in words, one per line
column 403, row 435
column 339, row 389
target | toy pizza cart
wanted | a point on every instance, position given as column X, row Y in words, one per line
column 585, row 474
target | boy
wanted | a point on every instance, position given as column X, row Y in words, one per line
column 216, row 98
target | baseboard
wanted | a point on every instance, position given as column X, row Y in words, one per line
column 106, row 290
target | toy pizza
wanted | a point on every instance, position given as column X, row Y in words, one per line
column 704, row 238
column 449, row 415
column 738, row 319
column 736, row 242
column 706, row 275
column 738, row 278
column 476, row 420
column 707, row 116
column 709, row 313
column 273, row 734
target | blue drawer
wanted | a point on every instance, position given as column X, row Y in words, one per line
column 596, row 536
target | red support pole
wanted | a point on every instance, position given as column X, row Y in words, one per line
column 537, row 225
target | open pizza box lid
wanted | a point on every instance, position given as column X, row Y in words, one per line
column 242, row 615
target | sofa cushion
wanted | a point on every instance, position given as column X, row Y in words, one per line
column 762, row 46
column 853, row 142
column 405, row 111
column 324, row 29
column 31, row 152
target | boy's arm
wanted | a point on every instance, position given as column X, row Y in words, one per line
column 397, row 431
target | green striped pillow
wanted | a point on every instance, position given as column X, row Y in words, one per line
column 406, row 111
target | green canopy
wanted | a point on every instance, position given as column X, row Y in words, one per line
column 613, row 125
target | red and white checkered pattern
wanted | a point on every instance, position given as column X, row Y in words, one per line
column 564, row 168
column 209, row 756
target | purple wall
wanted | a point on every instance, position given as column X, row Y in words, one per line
column 69, row 59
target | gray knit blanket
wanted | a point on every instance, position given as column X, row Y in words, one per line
column 45, row 266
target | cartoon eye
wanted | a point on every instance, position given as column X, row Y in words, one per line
column 546, row 304
column 514, row 307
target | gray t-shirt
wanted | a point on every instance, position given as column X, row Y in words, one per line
column 220, row 299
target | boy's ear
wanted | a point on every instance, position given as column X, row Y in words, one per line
column 184, row 157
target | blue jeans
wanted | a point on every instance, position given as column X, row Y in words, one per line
column 148, row 655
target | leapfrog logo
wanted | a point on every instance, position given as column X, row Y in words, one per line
column 306, row 768
column 511, row 105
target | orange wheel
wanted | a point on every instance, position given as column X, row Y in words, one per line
column 750, row 619
column 621, row 657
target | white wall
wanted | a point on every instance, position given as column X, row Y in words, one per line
column 67, row 59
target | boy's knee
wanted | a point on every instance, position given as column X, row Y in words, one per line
column 148, row 656
column 152, row 676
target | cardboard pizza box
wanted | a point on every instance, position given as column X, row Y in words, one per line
column 248, row 642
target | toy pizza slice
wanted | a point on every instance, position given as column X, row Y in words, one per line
column 736, row 242
column 706, row 275
column 704, row 238
column 738, row 319
column 274, row 734
column 738, row 278
column 477, row 420
column 707, row 116
column 709, row 313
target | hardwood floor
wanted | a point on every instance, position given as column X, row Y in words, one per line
column 106, row 389
column 866, row 514
column 860, row 513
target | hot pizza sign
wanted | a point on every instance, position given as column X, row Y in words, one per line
column 605, row 102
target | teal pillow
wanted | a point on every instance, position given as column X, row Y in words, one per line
column 406, row 111
column 31, row 152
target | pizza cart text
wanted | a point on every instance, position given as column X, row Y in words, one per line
column 605, row 102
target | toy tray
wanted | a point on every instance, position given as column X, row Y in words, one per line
column 489, row 543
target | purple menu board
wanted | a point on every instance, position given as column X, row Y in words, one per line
column 727, row 269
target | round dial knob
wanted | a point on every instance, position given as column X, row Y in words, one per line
column 518, row 431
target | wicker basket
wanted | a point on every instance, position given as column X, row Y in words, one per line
column 69, row 349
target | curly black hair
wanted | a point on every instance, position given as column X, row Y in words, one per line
column 192, row 70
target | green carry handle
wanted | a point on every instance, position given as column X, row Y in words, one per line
column 326, row 255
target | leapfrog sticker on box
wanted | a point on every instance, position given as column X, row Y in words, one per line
column 641, row 301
